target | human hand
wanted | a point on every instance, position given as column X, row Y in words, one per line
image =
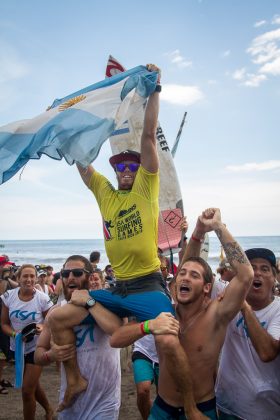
column 39, row 329
column 79, row 297
column 209, row 220
column 153, row 67
column 62, row 353
column 184, row 225
column 245, row 307
column 164, row 323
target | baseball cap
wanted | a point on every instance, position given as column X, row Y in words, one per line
column 264, row 253
column 41, row 272
column 4, row 260
column 125, row 155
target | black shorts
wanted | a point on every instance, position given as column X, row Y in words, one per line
column 28, row 358
column 5, row 345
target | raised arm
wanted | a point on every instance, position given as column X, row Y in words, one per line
column 149, row 156
column 85, row 173
column 237, row 289
column 194, row 243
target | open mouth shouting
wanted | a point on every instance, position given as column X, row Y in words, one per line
column 184, row 289
column 257, row 284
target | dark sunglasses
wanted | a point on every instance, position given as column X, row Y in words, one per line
column 77, row 272
column 133, row 167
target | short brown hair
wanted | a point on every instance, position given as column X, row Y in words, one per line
column 81, row 258
column 22, row 267
column 207, row 271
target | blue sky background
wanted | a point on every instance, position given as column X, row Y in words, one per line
column 220, row 62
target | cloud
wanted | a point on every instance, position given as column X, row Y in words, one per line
column 176, row 58
column 181, row 95
column 259, row 23
column 239, row 74
column 276, row 20
column 254, row 80
column 253, row 166
column 272, row 68
column 264, row 52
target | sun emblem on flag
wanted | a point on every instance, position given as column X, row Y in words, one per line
column 71, row 102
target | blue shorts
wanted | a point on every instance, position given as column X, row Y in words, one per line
column 143, row 298
column 145, row 370
column 163, row 411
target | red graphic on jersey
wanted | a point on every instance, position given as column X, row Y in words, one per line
column 106, row 229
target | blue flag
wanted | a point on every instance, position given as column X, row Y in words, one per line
column 75, row 127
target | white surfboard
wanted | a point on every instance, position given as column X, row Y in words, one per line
column 170, row 197
column 204, row 251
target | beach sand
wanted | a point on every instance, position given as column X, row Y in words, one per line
column 11, row 404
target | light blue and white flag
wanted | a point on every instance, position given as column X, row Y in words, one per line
column 76, row 126
column 19, row 359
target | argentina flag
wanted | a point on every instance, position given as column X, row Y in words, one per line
column 76, row 126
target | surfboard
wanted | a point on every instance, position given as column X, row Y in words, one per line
column 204, row 251
column 170, row 197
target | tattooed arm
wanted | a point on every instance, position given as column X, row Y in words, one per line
column 238, row 287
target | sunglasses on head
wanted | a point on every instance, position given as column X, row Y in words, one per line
column 77, row 272
column 133, row 167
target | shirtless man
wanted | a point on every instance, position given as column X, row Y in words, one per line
column 202, row 322
column 130, row 219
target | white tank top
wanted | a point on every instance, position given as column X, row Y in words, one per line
column 99, row 363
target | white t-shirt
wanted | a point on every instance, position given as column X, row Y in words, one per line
column 246, row 386
column 146, row 345
column 23, row 313
column 99, row 363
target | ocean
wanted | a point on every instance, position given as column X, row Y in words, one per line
column 55, row 252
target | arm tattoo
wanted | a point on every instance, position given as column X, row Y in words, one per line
column 233, row 251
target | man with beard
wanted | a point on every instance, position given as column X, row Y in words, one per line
column 202, row 322
column 99, row 363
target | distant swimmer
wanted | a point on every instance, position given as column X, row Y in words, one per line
column 130, row 216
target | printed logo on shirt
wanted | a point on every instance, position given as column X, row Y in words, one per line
column 107, row 225
column 130, row 223
column 23, row 315
column 244, row 326
column 82, row 334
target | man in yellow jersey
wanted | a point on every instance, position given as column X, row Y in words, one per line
column 130, row 221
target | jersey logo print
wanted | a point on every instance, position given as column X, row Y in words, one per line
column 80, row 338
column 106, row 229
column 244, row 326
column 23, row 315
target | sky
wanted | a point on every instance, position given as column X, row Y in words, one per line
column 220, row 62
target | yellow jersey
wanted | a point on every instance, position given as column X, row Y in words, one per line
column 130, row 223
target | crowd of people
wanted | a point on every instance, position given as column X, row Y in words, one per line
column 209, row 343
